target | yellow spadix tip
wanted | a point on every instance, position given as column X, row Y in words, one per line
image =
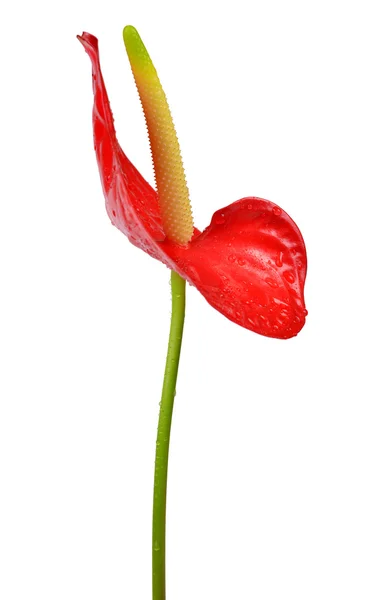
column 173, row 196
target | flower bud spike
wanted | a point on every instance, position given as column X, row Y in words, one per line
column 173, row 196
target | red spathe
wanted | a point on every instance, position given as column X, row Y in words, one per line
column 249, row 263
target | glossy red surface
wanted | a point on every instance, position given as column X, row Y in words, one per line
column 249, row 263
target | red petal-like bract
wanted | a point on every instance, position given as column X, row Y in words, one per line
column 249, row 264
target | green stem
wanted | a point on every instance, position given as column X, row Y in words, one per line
column 178, row 290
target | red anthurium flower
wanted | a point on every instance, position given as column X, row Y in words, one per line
column 249, row 263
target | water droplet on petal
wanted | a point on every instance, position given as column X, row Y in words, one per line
column 271, row 282
column 220, row 219
column 241, row 262
column 276, row 210
column 289, row 276
column 232, row 258
column 279, row 260
column 250, row 206
column 305, row 312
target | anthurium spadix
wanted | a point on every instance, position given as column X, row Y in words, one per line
column 249, row 263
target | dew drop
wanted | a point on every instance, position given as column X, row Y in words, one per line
column 114, row 213
column 289, row 277
column 276, row 210
column 156, row 547
column 241, row 262
column 305, row 312
column 279, row 260
column 232, row 258
column 250, row 206
column 220, row 219
column 271, row 282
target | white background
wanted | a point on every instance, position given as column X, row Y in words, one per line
column 272, row 488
